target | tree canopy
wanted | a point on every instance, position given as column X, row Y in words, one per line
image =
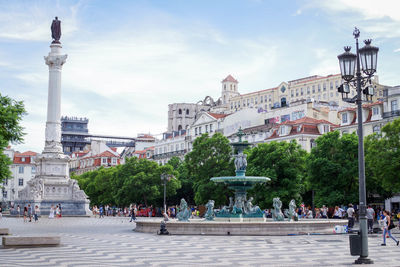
column 333, row 169
column 282, row 162
column 210, row 157
column 11, row 113
column 383, row 159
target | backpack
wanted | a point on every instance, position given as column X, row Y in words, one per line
column 391, row 225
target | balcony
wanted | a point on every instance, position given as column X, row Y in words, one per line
column 390, row 114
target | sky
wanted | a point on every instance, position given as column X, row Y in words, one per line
column 127, row 60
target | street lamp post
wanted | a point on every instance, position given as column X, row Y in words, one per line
column 165, row 178
column 349, row 63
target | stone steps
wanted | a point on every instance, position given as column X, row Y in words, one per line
column 30, row 241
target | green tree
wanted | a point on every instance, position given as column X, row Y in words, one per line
column 282, row 162
column 382, row 160
column 186, row 190
column 333, row 169
column 11, row 113
column 210, row 157
column 139, row 181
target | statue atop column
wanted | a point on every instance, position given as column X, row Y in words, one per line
column 56, row 31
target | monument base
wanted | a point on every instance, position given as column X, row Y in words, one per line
column 68, row 207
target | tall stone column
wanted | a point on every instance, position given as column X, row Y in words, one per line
column 52, row 185
column 55, row 60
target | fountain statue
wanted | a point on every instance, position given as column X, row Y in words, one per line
column 210, row 210
column 184, row 212
column 239, row 206
column 291, row 213
column 277, row 214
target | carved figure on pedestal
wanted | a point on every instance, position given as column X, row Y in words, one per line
column 56, row 30
column 184, row 213
column 238, row 208
column 210, row 210
column 277, row 214
column 250, row 209
column 240, row 161
column 227, row 209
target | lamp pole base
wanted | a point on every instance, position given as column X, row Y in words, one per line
column 363, row 260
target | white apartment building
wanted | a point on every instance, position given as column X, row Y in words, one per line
column 22, row 170
column 171, row 145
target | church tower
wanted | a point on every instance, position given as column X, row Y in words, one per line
column 229, row 90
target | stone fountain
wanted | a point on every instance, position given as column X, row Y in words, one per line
column 240, row 207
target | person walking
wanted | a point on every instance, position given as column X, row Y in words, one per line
column 60, row 209
column 370, row 219
column 337, row 214
column 25, row 214
column 133, row 218
column 350, row 216
column 387, row 226
column 36, row 214
column 1, row 212
column 101, row 212
column 18, row 210
column 51, row 213
column 30, row 212
column 58, row 214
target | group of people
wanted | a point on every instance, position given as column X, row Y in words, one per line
column 55, row 212
column 29, row 212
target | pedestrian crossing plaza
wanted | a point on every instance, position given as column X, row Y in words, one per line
column 111, row 241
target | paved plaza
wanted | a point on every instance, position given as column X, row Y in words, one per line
column 111, row 242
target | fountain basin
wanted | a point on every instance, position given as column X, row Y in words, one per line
column 246, row 228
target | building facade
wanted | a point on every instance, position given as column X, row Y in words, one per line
column 23, row 169
column 171, row 145
column 74, row 134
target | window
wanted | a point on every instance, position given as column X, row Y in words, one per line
column 324, row 86
column 23, row 159
column 21, row 169
column 331, row 85
column 187, row 112
column 104, row 160
column 319, row 88
column 324, row 96
column 297, row 92
column 182, row 146
column 114, row 161
column 211, row 129
column 376, row 129
column 200, row 130
column 375, row 111
column 331, row 94
column 176, row 147
column 282, row 130
column 33, row 170
column 312, row 143
column 301, row 91
column 308, row 90
column 261, row 99
column 180, row 111
column 336, row 84
column 206, row 128
column 313, row 89
column 266, row 99
column 231, row 105
column 4, row 194
column 393, row 104
column 5, row 182
column 256, row 100
column 292, row 93
column 326, row 128
column 21, row 182
column 344, row 118
column 195, row 131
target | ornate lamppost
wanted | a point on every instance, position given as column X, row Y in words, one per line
column 351, row 74
column 165, row 178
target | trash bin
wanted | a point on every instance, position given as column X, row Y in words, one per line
column 355, row 243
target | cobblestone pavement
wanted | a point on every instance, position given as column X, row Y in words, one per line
column 111, row 242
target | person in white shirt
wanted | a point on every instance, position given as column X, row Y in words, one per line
column 386, row 228
column 350, row 216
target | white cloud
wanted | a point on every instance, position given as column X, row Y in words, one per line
column 30, row 21
column 124, row 80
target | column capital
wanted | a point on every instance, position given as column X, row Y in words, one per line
column 55, row 61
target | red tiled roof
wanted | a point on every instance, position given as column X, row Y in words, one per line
column 217, row 116
column 25, row 154
column 305, row 120
column 113, row 149
column 264, row 90
column 229, row 78
column 312, row 78
column 105, row 154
